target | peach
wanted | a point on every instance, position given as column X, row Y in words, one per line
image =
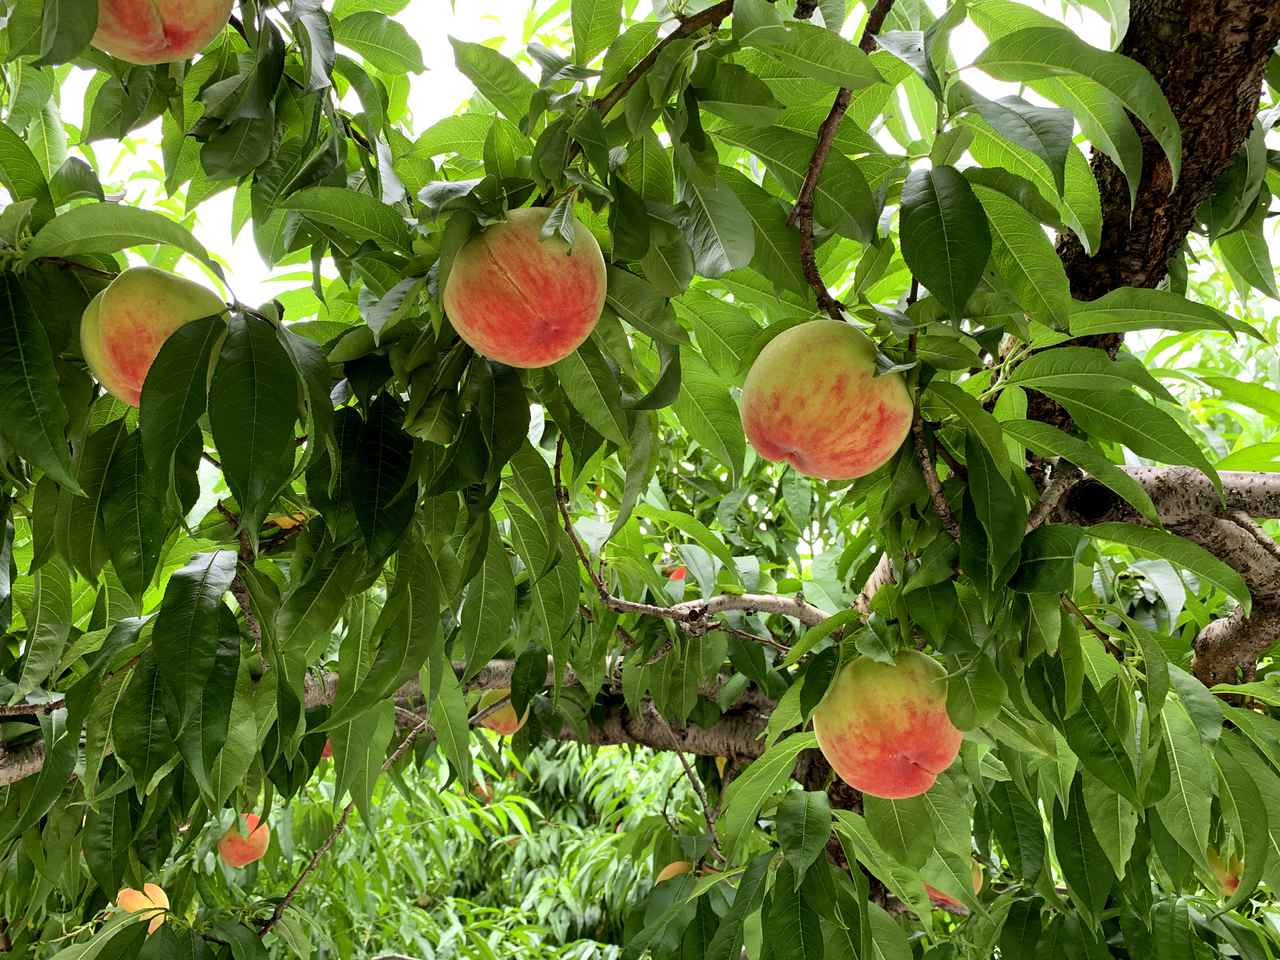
column 502, row 721
column 125, row 325
column 884, row 727
column 1227, row 873
column 150, row 899
column 676, row 869
column 812, row 399
column 522, row 300
column 327, row 752
column 237, row 850
column 940, row 899
column 158, row 31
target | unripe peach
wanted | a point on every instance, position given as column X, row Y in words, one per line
column 158, row 31
column 237, row 850
column 125, row 325
column 522, row 300
column 676, row 869
column 1226, row 873
column 940, row 899
column 150, row 899
column 812, row 399
column 884, row 727
column 502, row 721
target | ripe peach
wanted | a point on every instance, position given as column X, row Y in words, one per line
column 940, row 899
column 1227, row 873
column 812, row 399
column 522, row 300
column 237, row 850
column 151, row 898
column 158, row 31
column 502, row 721
column 676, row 869
column 125, row 325
column 884, row 727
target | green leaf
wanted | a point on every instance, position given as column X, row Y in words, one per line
column 902, row 827
column 134, row 515
column 379, row 479
column 356, row 216
column 139, row 732
column 592, row 388
column 175, row 392
column 1039, row 52
column 815, row 52
column 21, row 175
column 1125, row 417
column 453, row 730
column 717, row 226
column 48, row 629
column 1084, row 864
column 945, row 237
column 381, row 41
column 1044, row 131
column 33, row 417
column 67, row 28
column 1253, row 395
column 794, row 925
column 1246, row 251
column 842, row 198
column 975, row 693
column 746, row 794
column 1132, row 308
column 253, row 403
column 595, row 24
column 1026, row 260
column 1184, row 811
column 777, row 246
column 358, row 749
column 976, row 420
column 1091, row 732
column 708, row 412
column 488, row 609
column 107, row 228
column 188, row 630
column 1175, row 549
column 804, row 824
column 496, row 77
column 1048, row 559
column 628, row 49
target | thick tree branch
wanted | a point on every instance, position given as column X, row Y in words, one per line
column 802, row 211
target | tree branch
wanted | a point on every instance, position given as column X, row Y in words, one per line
column 936, row 494
column 802, row 211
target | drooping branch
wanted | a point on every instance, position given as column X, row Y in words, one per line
column 802, row 211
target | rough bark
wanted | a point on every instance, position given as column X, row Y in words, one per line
column 1180, row 495
column 1209, row 57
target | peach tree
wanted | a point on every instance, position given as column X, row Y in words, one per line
column 871, row 404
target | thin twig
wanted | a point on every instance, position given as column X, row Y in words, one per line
column 802, row 211
column 341, row 825
column 240, row 589
column 1064, row 476
column 936, row 494
column 31, row 709
column 695, row 781
column 1070, row 606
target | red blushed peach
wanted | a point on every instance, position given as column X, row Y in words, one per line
column 158, row 31
column 884, row 727
column 502, row 721
column 150, row 901
column 237, row 850
column 522, row 300
column 125, row 325
column 812, row 399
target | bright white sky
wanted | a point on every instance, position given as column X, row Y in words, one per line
column 435, row 94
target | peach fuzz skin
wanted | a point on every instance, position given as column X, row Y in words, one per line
column 149, row 898
column 812, row 400
column 884, row 728
column 522, row 300
column 237, row 850
column 125, row 325
column 502, row 721
column 158, row 31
